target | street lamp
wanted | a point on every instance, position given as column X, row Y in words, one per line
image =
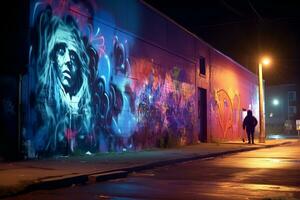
column 262, row 132
column 275, row 102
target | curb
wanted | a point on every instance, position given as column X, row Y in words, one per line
column 107, row 176
column 65, row 181
column 199, row 157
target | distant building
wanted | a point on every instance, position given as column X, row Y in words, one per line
column 282, row 108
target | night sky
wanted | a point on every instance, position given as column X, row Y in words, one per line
column 244, row 30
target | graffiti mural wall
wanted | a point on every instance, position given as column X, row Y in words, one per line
column 226, row 110
column 85, row 91
column 233, row 91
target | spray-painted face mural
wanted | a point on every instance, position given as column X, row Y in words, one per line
column 81, row 94
column 66, row 60
column 63, row 96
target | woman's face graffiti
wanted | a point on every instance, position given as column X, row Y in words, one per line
column 66, row 58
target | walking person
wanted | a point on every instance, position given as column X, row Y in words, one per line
column 250, row 123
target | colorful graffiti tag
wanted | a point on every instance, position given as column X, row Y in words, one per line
column 82, row 96
column 226, row 109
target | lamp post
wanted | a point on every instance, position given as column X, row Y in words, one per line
column 262, row 131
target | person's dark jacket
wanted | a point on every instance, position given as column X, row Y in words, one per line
column 249, row 122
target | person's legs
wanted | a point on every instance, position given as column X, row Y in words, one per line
column 249, row 139
column 252, row 137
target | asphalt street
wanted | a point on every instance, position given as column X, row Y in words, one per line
column 271, row 173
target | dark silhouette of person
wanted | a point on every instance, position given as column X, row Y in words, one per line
column 249, row 123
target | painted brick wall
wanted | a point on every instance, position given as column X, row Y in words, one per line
column 118, row 76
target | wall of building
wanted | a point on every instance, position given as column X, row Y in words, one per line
column 108, row 77
column 13, row 63
column 233, row 90
column 9, row 116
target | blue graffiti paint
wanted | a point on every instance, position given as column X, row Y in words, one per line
column 79, row 77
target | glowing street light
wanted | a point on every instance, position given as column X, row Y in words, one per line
column 275, row 102
column 262, row 132
column 266, row 61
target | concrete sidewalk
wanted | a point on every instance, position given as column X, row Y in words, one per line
column 29, row 175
